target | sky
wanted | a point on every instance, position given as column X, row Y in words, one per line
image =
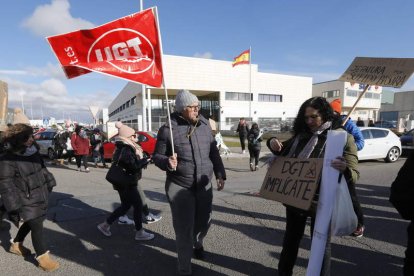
column 317, row 39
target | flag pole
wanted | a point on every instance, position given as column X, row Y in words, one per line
column 355, row 104
column 163, row 81
column 250, row 83
column 143, row 88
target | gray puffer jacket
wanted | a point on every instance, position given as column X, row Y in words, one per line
column 197, row 153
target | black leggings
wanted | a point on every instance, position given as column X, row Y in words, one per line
column 36, row 227
column 129, row 197
column 83, row 158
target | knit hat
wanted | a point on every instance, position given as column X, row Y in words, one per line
column 336, row 105
column 19, row 117
column 123, row 130
column 184, row 98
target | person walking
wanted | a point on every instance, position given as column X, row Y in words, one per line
column 314, row 119
column 25, row 185
column 360, row 122
column 402, row 197
column 96, row 140
column 254, row 137
column 242, row 129
column 354, row 130
column 189, row 172
column 129, row 155
column 80, row 144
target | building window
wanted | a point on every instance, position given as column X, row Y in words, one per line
column 270, row 98
column 133, row 100
column 352, row 93
column 127, row 104
column 330, row 94
column 237, row 96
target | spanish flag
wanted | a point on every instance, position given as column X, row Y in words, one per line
column 243, row 58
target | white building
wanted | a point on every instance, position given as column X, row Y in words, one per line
column 401, row 110
column 226, row 93
column 367, row 108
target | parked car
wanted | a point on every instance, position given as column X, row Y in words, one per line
column 407, row 140
column 147, row 141
column 45, row 140
column 380, row 143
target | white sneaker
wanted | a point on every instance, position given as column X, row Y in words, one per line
column 105, row 229
column 141, row 235
column 151, row 218
column 87, row 170
column 125, row 220
column 243, row 151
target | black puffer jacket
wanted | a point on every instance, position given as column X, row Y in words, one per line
column 253, row 139
column 196, row 150
column 24, row 184
column 125, row 156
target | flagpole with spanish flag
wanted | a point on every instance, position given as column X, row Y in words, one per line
column 250, row 83
column 246, row 58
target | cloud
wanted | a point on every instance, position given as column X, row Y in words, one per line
column 206, row 55
column 51, row 98
column 53, row 19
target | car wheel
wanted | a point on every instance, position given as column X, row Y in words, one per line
column 393, row 155
column 51, row 154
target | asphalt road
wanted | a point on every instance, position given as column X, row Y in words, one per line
column 245, row 237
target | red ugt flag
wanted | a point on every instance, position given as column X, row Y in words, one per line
column 127, row 48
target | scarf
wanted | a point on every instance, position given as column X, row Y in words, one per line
column 30, row 151
column 310, row 146
column 135, row 146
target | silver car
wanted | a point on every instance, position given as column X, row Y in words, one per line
column 46, row 142
column 380, row 143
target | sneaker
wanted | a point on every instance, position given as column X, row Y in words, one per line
column 257, row 168
column 142, row 235
column 105, row 229
column 243, row 152
column 359, row 232
column 151, row 218
column 87, row 170
column 125, row 220
column 251, row 167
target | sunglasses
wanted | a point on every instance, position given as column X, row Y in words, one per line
column 314, row 116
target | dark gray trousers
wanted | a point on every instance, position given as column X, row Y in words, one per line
column 191, row 215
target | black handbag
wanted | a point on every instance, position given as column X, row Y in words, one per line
column 119, row 177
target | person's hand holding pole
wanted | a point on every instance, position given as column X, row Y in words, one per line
column 220, row 184
column 172, row 162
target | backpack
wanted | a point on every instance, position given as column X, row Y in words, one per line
column 402, row 190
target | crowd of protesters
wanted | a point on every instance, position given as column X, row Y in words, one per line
column 187, row 151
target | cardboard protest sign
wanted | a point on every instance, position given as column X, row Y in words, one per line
column 292, row 181
column 392, row 72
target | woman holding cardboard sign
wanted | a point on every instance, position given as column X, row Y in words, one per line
column 314, row 119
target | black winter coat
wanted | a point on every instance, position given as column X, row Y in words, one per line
column 25, row 184
column 252, row 141
column 402, row 189
column 196, row 149
column 125, row 156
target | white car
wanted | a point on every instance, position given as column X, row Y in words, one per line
column 380, row 143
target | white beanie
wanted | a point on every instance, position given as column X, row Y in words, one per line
column 19, row 117
column 123, row 130
column 184, row 98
